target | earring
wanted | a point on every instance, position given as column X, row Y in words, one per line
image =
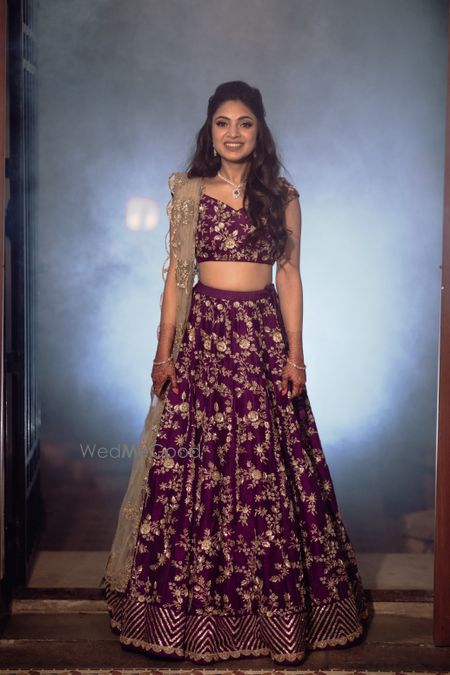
column 215, row 152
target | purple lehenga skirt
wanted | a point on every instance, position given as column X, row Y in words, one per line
column 241, row 550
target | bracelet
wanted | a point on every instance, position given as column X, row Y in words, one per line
column 159, row 363
column 295, row 365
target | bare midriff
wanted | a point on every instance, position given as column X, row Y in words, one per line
column 235, row 276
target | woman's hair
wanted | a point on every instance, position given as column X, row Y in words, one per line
column 265, row 196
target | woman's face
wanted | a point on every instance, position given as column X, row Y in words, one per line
column 234, row 130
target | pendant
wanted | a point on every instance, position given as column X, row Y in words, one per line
column 236, row 192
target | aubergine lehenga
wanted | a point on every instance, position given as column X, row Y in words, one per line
column 241, row 548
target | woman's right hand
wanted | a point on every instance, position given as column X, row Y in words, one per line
column 160, row 374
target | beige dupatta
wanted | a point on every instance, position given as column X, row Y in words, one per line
column 182, row 211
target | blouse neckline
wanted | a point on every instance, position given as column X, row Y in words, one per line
column 220, row 201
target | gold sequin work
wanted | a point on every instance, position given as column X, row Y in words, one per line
column 241, row 549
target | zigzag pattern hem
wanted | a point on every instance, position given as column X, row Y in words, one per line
column 204, row 638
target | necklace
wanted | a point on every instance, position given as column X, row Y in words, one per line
column 237, row 188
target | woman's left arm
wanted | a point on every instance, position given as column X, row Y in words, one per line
column 290, row 291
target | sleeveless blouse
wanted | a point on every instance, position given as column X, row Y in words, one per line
column 221, row 231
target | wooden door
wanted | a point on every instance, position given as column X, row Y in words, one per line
column 22, row 466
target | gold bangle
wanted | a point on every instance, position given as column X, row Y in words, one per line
column 159, row 363
column 295, row 365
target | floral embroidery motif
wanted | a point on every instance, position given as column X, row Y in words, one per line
column 222, row 232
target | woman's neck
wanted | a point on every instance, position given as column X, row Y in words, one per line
column 236, row 172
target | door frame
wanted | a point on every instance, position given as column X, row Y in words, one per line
column 5, row 590
column 441, row 606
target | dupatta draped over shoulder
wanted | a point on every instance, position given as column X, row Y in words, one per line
column 182, row 211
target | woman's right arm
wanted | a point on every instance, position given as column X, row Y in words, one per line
column 167, row 328
column 167, row 324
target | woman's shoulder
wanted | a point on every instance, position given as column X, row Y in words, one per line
column 289, row 188
column 176, row 179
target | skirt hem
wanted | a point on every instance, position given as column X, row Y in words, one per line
column 305, row 638
column 180, row 654
column 281, row 659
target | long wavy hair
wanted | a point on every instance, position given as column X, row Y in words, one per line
column 264, row 194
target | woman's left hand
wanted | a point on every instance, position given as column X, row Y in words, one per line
column 296, row 376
